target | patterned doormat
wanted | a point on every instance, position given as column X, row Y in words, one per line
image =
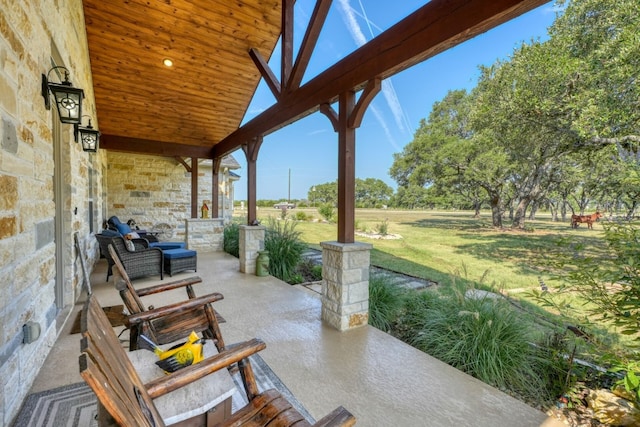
column 75, row 405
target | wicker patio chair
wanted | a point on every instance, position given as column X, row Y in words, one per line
column 104, row 241
column 143, row 261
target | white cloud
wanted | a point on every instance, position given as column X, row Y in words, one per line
column 388, row 91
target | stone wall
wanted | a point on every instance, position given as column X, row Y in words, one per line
column 205, row 235
column 49, row 187
column 154, row 190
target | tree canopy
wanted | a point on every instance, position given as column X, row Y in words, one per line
column 556, row 124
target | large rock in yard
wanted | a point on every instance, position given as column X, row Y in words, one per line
column 613, row 410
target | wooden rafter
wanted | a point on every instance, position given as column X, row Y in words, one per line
column 266, row 72
column 318, row 17
column 287, row 40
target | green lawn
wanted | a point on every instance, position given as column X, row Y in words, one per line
column 436, row 245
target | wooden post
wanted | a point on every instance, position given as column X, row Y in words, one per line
column 346, row 169
column 215, row 187
column 251, row 149
column 194, row 187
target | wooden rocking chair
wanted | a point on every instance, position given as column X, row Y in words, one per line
column 125, row 401
column 172, row 322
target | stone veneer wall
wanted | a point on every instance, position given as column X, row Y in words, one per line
column 205, row 235
column 32, row 33
column 153, row 190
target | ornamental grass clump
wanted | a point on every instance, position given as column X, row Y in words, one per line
column 385, row 302
column 480, row 336
column 285, row 248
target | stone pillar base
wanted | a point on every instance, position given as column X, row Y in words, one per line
column 251, row 241
column 345, row 284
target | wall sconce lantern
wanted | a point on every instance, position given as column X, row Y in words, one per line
column 68, row 98
column 89, row 137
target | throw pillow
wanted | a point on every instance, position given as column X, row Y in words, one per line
column 133, row 235
column 129, row 244
column 123, row 229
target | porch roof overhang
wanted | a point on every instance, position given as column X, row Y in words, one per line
column 196, row 107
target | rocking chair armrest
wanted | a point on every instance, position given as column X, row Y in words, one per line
column 339, row 417
column 185, row 376
column 188, row 305
column 163, row 287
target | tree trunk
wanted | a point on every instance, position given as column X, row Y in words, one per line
column 520, row 213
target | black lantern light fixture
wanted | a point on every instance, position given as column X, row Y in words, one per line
column 89, row 137
column 68, row 98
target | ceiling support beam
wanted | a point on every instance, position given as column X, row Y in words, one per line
column 153, row 147
column 251, row 149
column 432, row 29
column 194, row 187
column 215, row 187
column 318, row 17
column 265, row 71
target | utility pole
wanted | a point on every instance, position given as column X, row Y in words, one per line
column 289, row 193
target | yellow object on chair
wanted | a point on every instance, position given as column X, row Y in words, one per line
column 178, row 356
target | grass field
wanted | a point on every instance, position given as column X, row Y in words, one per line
column 436, row 245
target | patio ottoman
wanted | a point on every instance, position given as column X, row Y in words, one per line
column 167, row 245
column 177, row 260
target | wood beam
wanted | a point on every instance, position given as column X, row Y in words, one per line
column 331, row 114
column 251, row 149
column 346, row 169
column 267, row 74
column 287, row 41
column 183, row 163
column 434, row 28
column 152, row 147
column 318, row 17
column 194, row 187
column 215, row 187
column 370, row 91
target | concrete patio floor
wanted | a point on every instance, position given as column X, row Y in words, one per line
column 381, row 380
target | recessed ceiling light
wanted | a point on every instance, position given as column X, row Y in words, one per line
column 167, row 62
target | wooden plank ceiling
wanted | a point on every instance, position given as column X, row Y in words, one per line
column 144, row 106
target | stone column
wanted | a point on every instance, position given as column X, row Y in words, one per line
column 251, row 241
column 345, row 284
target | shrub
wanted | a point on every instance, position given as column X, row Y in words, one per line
column 301, row 216
column 385, row 301
column 285, row 248
column 327, row 211
column 383, row 228
column 482, row 337
column 231, row 243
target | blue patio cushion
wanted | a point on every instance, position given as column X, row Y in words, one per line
column 167, row 245
column 178, row 253
column 123, row 228
column 110, row 233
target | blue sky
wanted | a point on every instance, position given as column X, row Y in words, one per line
column 307, row 150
